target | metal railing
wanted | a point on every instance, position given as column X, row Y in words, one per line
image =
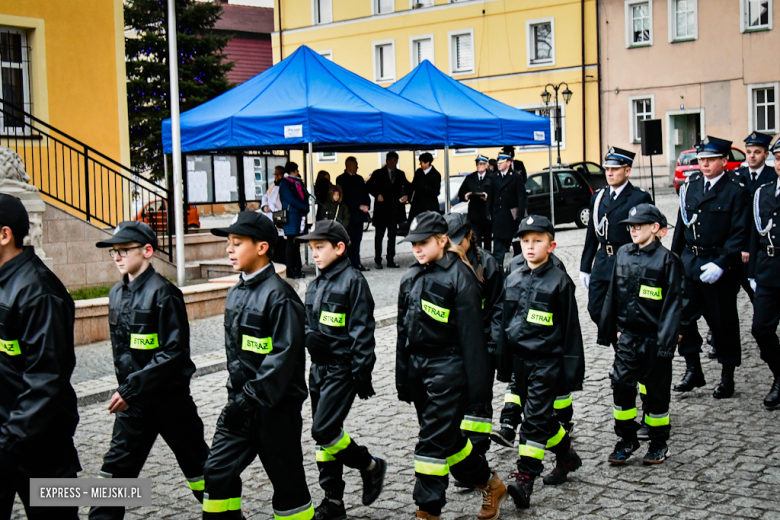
column 82, row 180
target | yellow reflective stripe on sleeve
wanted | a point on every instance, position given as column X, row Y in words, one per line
column 512, row 398
column 430, row 466
column 483, row 304
column 221, row 506
column 472, row 423
column 144, row 341
column 657, row 419
column 557, row 438
column 322, row 455
column 339, row 444
column 10, row 347
column 625, row 415
column 642, row 388
column 301, row 513
column 651, row 293
column 197, row 483
column 532, row 450
column 333, row 319
column 540, row 317
column 434, row 311
column 256, row 345
column 562, row 401
column 462, row 454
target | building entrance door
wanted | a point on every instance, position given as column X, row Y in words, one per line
column 685, row 133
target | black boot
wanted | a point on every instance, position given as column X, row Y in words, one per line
column 725, row 388
column 694, row 377
column 521, row 490
column 564, row 464
column 505, row 436
column 330, row 510
column 772, row 399
column 373, row 481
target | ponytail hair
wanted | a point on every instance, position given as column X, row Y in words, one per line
column 450, row 247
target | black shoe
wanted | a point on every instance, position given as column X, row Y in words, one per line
column 693, row 378
column 362, row 268
column 623, row 450
column 505, row 437
column 644, row 433
column 329, row 510
column 564, row 464
column 521, row 490
column 373, row 481
column 772, row 399
column 392, row 265
column 713, row 354
column 378, row 265
column 709, row 337
column 656, row 454
column 462, row 485
column 725, row 388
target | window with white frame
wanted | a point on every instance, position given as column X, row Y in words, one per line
column 416, row 4
column 763, row 107
column 327, row 157
column 639, row 23
column 547, row 111
column 461, row 52
column 756, row 15
column 541, row 42
column 384, row 61
column 465, row 151
column 328, row 55
column 322, row 11
column 641, row 109
column 418, row 153
column 422, row 49
column 15, row 73
column 683, row 20
column 383, row 6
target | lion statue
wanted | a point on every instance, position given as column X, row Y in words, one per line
column 12, row 171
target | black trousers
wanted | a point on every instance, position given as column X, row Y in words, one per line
column 517, row 394
column 636, row 360
column 355, row 231
column 273, row 434
column 717, row 302
column 540, row 431
column 293, row 256
column 13, row 482
column 439, row 395
column 379, row 229
column 744, row 282
column 332, row 394
column 483, row 233
column 477, row 424
column 766, row 316
column 597, row 293
column 501, row 247
column 176, row 419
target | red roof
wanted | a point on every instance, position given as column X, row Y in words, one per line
column 244, row 18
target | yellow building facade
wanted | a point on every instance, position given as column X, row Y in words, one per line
column 507, row 49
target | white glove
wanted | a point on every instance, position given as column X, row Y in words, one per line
column 753, row 284
column 711, row 273
column 585, row 279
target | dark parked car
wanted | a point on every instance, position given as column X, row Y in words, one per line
column 571, row 194
column 593, row 173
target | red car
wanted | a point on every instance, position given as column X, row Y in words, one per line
column 687, row 164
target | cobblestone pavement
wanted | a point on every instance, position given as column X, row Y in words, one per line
column 725, row 459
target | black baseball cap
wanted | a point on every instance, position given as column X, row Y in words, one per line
column 645, row 214
column 458, row 227
column 326, row 230
column 14, row 215
column 250, row 224
column 131, row 231
column 424, row 225
column 537, row 223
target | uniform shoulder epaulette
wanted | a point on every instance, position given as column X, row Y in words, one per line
column 737, row 181
column 640, row 189
column 767, row 184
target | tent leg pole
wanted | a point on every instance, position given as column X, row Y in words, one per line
column 447, row 198
column 311, row 202
column 552, row 189
column 178, row 195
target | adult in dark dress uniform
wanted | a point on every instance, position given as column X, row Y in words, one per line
column 508, row 207
column 426, row 186
column 476, row 190
column 605, row 235
column 389, row 187
column 357, row 200
column 711, row 233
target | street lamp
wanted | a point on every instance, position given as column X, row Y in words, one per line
column 546, row 97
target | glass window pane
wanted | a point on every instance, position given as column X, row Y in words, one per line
column 11, row 47
column 760, row 118
column 770, row 95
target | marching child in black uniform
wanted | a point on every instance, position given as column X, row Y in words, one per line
column 340, row 339
column 641, row 317
column 541, row 343
column 150, row 336
column 442, row 364
column 264, row 340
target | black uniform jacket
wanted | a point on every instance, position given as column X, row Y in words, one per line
column 765, row 269
column 480, row 210
column 339, row 306
column 742, row 174
column 644, row 297
column 150, row 336
column 355, row 195
column 389, row 211
column 616, row 235
column 486, row 267
column 721, row 225
column 519, row 261
column 437, row 303
column 425, row 189
column 38, row 413
column 264, row 339
column 541, row 320
column 507, row 194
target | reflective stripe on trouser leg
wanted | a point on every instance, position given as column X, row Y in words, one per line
column 642, row 389
column 512, row 399
column 338, row 444
column 472, row 423
column 322, row 455
column 299, row 513
column 462, row 454
column 221, row 506
column 562, row 401
column 532, row 449
column 197, row 483
column 653, row 419
column 624, row 415
column 103, row 474
column 430, row 466
column 557, row 438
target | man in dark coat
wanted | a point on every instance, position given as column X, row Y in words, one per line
column 426, row 187
column 357, row 200
column 389, row 187
column 508, row 207
column 476, row 190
